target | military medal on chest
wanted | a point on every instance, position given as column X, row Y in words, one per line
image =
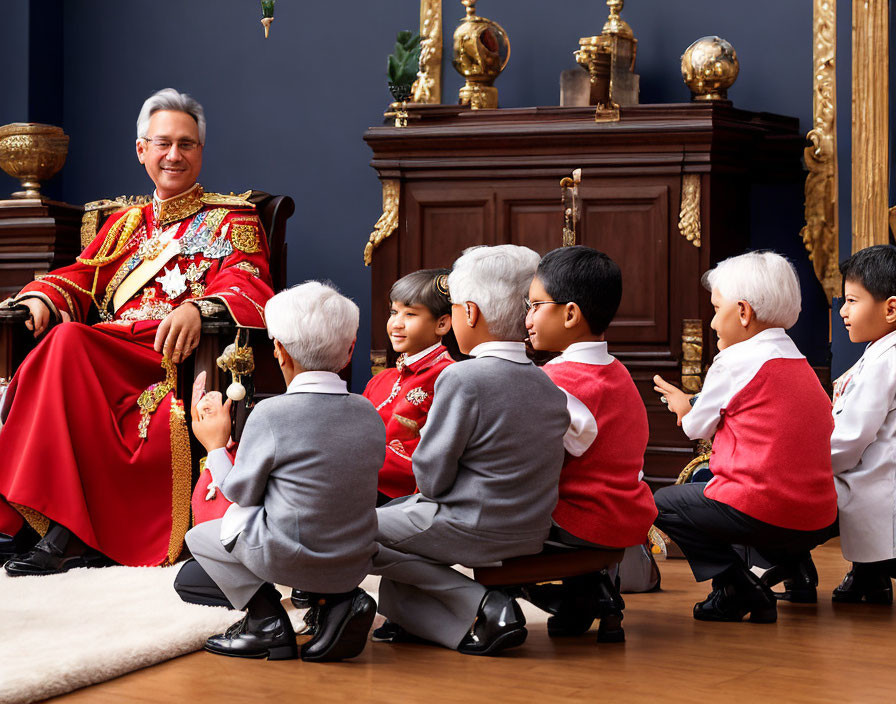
column 173, row 281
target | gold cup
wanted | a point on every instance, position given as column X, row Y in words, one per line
column 481, row 51
column 31, row 153
column 709, row 67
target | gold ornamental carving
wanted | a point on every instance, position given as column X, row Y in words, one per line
column 32, row 153
column 428, row 86
column 870, row 123
column 692, row 355
column 820, row 234
column 569, row 197
column 615, row 25
column 481, row 51
column 709, row 68
column 689, row 216
column 388, row 222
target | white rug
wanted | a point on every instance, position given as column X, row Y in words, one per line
column 63, row 632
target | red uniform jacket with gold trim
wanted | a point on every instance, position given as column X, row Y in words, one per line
column 222, row 256
column 403, row 397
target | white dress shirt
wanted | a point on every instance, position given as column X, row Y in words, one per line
column 503, row 349
column 411, row 359
column 582, row 425
column 863, row 454
column 732, row 369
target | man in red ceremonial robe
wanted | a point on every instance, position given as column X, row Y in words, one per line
column 96, row 455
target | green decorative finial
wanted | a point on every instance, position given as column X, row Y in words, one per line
column 267, row 11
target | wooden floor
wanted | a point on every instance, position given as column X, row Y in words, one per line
column 814, row 653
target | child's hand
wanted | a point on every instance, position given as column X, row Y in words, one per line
column 211, row 417
column 677, row 400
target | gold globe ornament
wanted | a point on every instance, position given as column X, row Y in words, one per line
column 32, row 153
column 709, row 67
column 481, row 51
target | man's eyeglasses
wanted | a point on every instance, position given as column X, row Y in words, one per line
column 531, row 305
column 164, row 145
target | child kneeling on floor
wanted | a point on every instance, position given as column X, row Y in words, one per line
column 487, row 469
column 772, row 488
column 604, row 502
column 304, row 487
column 863, row 446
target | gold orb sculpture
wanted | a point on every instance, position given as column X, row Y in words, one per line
column 32, row 153
column 709, row 67
column 481, row 51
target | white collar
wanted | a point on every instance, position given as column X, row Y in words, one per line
column 878, row 347
column 420, row 355
column 503, row 349
column 775, row 338
column 317, row 383
column 159, row 201
column 586, row 353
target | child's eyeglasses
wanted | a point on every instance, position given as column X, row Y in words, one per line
column 534, row 304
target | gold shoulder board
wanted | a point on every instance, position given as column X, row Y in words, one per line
column 234, row 201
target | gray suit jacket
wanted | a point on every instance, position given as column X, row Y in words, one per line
column 489, row 459
column 310, row 462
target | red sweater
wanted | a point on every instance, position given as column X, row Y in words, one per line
column 771, row 455
column 403, row 396
column 602, row 498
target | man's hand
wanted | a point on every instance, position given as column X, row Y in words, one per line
column 677, row 400
column 211, row 418
column 178, row 333
column 40, row 315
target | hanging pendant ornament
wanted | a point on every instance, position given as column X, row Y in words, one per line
column 267, row 10
column 239, row 361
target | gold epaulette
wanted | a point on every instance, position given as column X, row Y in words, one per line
column 97, row 211
column 234, row 201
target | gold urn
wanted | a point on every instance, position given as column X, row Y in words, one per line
column 32, row 153
column 709, row 67
column 481, row 51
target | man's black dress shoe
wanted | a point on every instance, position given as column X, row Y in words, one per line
column 391, row 632
column 864, row 582
column 800, row 580
column 58, row 551
column 499, row 625
column 301, row 599
column 18, row 544
column 265, row 631
column 738, row 592
column 342, row 624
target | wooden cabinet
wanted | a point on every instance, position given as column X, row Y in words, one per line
column 492, row 177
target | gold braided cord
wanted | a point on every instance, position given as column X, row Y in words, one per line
column 35, row 519
column 65, row 295
column 181, row 475
column 117, row 237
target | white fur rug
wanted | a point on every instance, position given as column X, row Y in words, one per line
column 63, row 632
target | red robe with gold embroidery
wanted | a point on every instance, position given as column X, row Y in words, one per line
column 93, row 437
column 403, row 397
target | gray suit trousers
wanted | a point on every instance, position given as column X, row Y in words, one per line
column 237, row 581
column 420, row 590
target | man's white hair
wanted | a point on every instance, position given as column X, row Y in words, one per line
column 315, row 324
column 497, row 280
column 765, row 280
column 170, row 99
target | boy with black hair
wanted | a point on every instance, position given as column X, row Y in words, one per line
column 603, row 500
column 863, row 446
column 419, row 322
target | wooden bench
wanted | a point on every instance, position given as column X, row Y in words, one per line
column 519, row 575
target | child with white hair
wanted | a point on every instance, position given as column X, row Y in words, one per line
column 487, row 468
column 772, row 488
column 304, row 486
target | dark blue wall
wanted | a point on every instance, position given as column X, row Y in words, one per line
column 287, row 114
